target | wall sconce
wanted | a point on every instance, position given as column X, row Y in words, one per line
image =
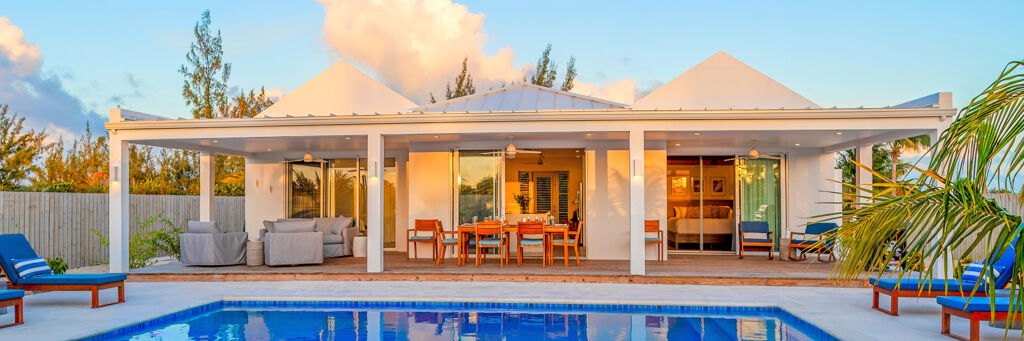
column 116, row 176
column 636, row 171
column 373, row 172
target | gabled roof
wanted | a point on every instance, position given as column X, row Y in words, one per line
column 936, row 100
column 342, row 90
column 723, row 82
column 522, row 97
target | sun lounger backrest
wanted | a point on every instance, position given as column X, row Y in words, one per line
column 754, row 227
column 14, row 246
column 1006, row 261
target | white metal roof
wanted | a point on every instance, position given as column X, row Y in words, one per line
column 522, row 97
column 340, row 90
column 723, row 82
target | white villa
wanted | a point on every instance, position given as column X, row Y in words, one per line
column 719, row 144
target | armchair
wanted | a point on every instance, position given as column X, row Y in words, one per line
column 206, row 245
column 755, row 242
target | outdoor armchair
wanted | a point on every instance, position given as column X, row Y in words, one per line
column 293, row 242
column 808, row 241
column 654, row 226
column 747, row 240
column 423, row 231
column 15, row 246
column 205, row 244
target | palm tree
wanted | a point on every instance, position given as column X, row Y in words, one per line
column 944, row 209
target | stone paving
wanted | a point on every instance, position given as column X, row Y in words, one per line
column 844, row 312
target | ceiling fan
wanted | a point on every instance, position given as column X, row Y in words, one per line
column 511, row 151
column 754, row 154
column 306, row 158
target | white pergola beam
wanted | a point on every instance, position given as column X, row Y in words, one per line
column 374, row 203
column 207, row 185
column 119, row 223
column 637, row 249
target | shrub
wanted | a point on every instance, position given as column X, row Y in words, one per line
column 57, row 265
column 150, row 242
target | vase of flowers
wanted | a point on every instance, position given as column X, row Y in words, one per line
column 523, row 201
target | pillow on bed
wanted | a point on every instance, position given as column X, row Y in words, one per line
column 31, row 267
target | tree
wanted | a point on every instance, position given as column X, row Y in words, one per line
column 82, row 168
column 896, row 148
column 463, row 84
column 546, row 71
column 942, row 213
column 570, row 74
column 248, row 104
column 206, row 73
column 18, row 149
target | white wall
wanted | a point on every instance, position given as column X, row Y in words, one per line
column 429, row 188
column 655, row 193
column 607, row 216
column 265, row 191
column 810, row 172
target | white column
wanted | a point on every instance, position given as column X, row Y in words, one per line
column 374, row 203
column 637, row 254
column 207, row 182
column 863, row 156
column 118, row 211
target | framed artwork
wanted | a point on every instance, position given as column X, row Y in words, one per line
column 679, row 184
column 696, row 185
column 718, row 185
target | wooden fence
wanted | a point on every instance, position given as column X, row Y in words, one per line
column 1012, row 205
column 59, row 224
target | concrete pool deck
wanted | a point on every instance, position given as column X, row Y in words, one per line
column 844, row 312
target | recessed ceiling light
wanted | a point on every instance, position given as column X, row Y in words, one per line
column 577, row 150
column 435, row 136
column 348, row 138
column 677, row 145
column 696, row 134
column 268, row 149
column 796, row 144
column 588, row 134
column 215, row 141
column 839, row 133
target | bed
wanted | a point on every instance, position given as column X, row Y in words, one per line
column 684, row 225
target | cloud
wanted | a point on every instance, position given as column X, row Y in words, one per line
column 622, row 91
column 38, row 97
column 417, row 46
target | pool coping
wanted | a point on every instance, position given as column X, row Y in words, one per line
column 383, row 303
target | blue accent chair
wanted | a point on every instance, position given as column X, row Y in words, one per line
column 807, row 241
column 975, row 309
column 15, row 246
column 913, row 287
column 756, row 243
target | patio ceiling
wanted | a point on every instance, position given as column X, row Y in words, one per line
column 829, row 140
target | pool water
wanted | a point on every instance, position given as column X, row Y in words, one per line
column 248, row 320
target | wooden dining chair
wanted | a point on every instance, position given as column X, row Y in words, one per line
column 490, row 235
column 654, row 226
column 446, row 238
column 568, row 238
column 532, row 228
column 415, row 236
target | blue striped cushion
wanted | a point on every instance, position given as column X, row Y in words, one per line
column 978, row 273
column 31, row 267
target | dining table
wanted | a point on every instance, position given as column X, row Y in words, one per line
column 466, row 230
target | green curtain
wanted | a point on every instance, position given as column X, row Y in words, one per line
column 760, row 193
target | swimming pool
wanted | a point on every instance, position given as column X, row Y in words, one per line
column 401, row 320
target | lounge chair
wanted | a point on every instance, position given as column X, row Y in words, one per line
column 974, row 309
column 896, row 288
column 13, row 298
column 808, row 242
column 756, row 242
column 15, row 246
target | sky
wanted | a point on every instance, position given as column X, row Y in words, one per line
column 63, row 63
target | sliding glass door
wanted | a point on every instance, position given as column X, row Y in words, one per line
column 701, row 201
column 478, row 185
column 760, row 192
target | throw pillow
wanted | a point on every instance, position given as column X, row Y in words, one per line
column 978, row 273
column 292, row 226
column 203, row 227
column 268, row 225
column 340, row 223
column 31, row 267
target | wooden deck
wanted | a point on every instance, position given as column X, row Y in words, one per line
column 678, row 269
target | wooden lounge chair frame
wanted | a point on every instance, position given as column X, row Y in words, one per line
column 894, row 296
column 94, row 288
column 975, row 317
column 19, row 314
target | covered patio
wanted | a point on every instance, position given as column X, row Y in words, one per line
column 408, row 165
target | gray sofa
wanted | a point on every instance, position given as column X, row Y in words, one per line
column 306, row 241
column 205, row 243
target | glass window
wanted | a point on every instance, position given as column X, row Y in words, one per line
column 305, row 183
column 478, row 185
